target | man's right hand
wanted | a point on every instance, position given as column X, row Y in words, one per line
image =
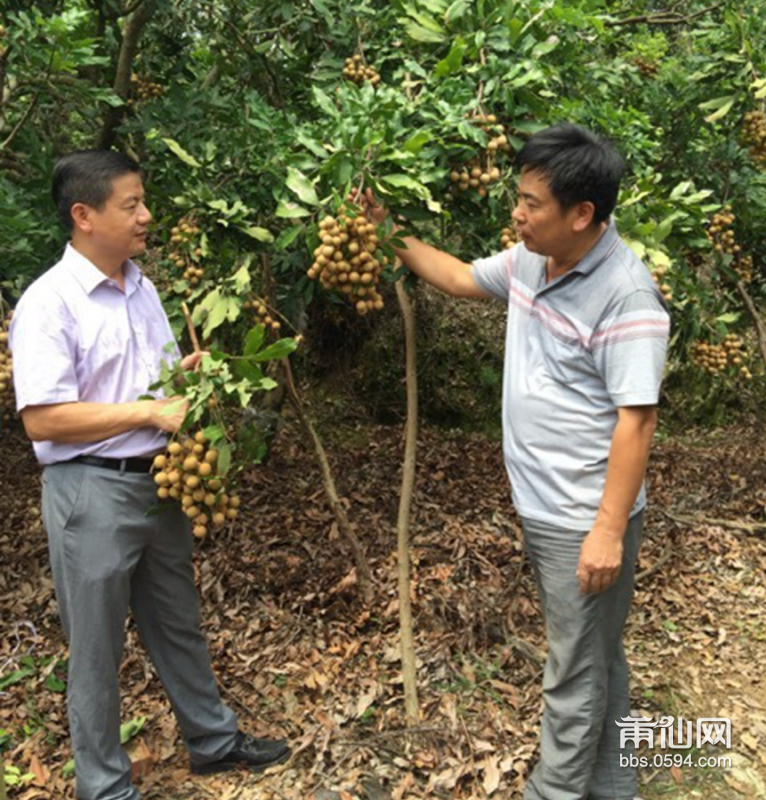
column 168, row 414
column 368, row 203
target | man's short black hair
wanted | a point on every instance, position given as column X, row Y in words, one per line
column 578, row 165
column 86, row 176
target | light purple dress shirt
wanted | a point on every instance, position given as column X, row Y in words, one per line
column 77, row 337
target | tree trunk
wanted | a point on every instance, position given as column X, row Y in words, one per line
column 364, row 575
column 760, row 327
column 409, row 674
column 128, row 49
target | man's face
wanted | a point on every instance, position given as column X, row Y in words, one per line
column 119, row 228
column 543, row 225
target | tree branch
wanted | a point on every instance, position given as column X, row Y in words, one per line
column 661, row 18
column 364, row 575
column 131, row 7
column 130, row 38
column 30, row 108
column 760, row 327
column 732, row 524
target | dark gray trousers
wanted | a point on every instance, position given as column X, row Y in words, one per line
column 108, row 556
column 585, row 685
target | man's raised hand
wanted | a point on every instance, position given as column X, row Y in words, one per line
column 168, row 414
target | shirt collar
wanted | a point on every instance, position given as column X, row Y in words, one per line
column 89, row 276
column 593, row 259
column 603, row 248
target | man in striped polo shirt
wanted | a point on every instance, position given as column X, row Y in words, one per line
column 585, row 348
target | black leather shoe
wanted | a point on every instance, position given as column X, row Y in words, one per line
column 254, row 754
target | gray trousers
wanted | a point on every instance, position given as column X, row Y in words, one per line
column 108, row 555
column 585, row 685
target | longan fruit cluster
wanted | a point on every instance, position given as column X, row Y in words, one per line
column 480, row 172
column 346, row 259
column 186, row 472
column 185, row 254
column 646, row 67
column 508, row 237
column 474, row 175
column 144, row 89
column 754, row 135
column 355, row 70
column 6, row 366
column 743, row 266
column 719, row 232
column 261, row 313
column 715, row 358
column 658, row 275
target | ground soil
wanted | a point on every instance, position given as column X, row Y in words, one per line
column 298, row 654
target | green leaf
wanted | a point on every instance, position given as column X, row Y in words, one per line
column 457, row 10
column 325, row 103
column 214, row 433
column 543, row 48
column 288, row 236
column 302, row 186
column 254, row 340
column 54, row 684
column 128, row 731
column 722, row 112
column 720, row 106
column 260, row 234
column 15, row 677
column 287, row 209
column 454, row 60
column 224, row 458
column 181, row 153
column 681, row 189
column 729, row 318
column 416, row 142
column 241, row 279
column 403, row 182
column 131, row 729
column 249, row 371
column 422, row 34
column 216, row 317
column 277, row 350
column 659, row 258
column 311, row 144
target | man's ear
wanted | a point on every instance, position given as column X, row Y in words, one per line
column 81, row 217
column 583, row 216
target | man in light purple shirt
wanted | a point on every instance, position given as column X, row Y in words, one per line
column 88, row 339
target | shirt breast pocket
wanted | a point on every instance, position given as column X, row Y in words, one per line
column 568, row 362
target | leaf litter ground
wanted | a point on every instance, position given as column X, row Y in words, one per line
column 298, row 655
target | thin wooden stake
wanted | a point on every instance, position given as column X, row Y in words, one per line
column 409, row 672
column 190, row 326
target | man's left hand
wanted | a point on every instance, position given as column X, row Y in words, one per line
column 191, row 362
column 600, row 561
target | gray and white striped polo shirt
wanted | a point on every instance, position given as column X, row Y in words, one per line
column 577, row 349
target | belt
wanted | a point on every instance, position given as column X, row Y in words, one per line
column 120, row 464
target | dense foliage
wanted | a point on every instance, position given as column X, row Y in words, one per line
column 253, row 122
